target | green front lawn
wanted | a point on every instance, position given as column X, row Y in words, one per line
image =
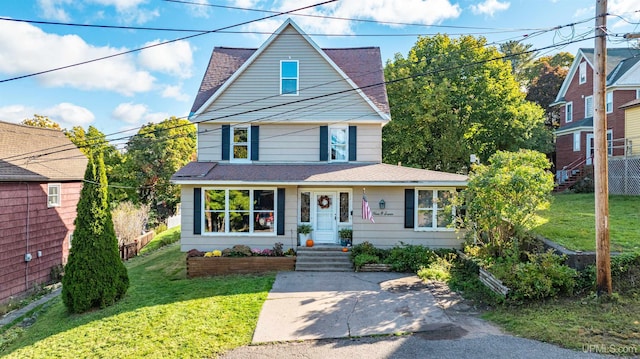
column 570, row 221
column 163, row 315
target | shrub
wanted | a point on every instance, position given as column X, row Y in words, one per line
column 409, row 258
column 625, row 274
column 239, row 250
column 278, row 251
column 129, row 221
column 440, row 269
column 94, row 275
column 367, row 248
column 160, row 228
column 364, row 258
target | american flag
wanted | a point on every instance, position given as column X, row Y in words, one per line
column 366, row 210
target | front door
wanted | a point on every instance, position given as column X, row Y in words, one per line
column 325, row 229
column 590, row 148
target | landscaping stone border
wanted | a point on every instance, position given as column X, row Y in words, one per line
column 577, row 260
column 374, row 267
column 211, row 266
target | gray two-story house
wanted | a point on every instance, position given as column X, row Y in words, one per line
column 291, row 134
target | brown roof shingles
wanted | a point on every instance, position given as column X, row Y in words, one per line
column 363, row 65
column 316, row 173
column 38, row 154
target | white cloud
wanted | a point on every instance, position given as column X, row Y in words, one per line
column 65, row 114
column 175, row 92
column 129, row 11
column 200, row 9
column 136, row 114
column 490, row 7
column 50, row 9
column 174, row 58
column 27, row 49
column 407, row 11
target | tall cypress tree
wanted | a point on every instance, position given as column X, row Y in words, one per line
column 94, row 275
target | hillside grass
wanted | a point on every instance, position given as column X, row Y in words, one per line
column 570, row 221
column 163, row 315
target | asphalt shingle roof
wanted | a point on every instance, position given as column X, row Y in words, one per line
column 38, row 154
column 619, row 61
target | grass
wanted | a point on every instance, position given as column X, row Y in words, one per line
column 164, row 238
column 570, row 221
column 162, row 315
column 588, row 324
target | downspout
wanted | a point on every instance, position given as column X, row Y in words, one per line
column 26, row 267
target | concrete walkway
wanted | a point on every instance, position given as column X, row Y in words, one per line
column 324, row 305
column 13, row 315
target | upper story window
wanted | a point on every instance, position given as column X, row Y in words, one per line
column 240, row 143
column 609, row 101
column 339, row 143
column 434, row 209
column 289, row 76
column 53, row 195
column 588, row 106
column 568, row 112
column 576, row 141
column 583, row 72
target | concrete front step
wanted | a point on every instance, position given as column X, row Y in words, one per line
column 323, row 258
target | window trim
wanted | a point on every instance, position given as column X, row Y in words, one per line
column 608, row 105
column 586, row 113
column 637, row 94
column 576, row 141
column 297, row 78
column 232, row 144
column 568, row 112
column 416, row 209
column 345, row 145
column 609, row 143
column 57, row 203
column 582, row 73
column 252, row 212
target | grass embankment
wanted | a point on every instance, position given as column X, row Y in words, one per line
column 570, row 221
column 163, row 315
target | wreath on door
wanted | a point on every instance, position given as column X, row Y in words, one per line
column 324, row 202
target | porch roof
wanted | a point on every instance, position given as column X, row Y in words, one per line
column 314, row 174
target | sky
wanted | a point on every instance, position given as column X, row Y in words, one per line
column 124, row 92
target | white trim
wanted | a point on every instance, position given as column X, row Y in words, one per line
column 637, row 94
column 586, row 113
column 576, row 141
column 58, row 195
column 562, row 132
column 346, row 145
column 568, row 114
column 262, row 48
column 227, row 229
column 608, row 109
column 232, row 144
column 582, row 72
column 445, row 184
column 297, row 78
column 434, row 209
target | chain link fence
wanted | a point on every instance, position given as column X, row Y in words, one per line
column 624, row 176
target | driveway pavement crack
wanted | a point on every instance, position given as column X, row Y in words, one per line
column 353, row 309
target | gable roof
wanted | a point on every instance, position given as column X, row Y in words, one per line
column 620, row 61
column 317, row 174
column 361, row 67
column 30, row 153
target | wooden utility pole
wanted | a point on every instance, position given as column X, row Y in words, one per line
column 600, row 161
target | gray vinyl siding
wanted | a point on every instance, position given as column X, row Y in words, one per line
column 209, row 142
column 259, row 87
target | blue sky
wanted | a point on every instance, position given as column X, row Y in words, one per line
column 128, row 91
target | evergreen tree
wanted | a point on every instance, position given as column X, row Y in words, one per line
column 94, row 276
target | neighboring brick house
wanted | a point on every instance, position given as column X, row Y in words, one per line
column 291, row 134
column 574, row 137
column 41, row 174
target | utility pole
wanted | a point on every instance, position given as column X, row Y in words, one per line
column 601, row 176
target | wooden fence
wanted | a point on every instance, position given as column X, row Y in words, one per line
column 132, row 249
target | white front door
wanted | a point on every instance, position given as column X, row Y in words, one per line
column 325, row 226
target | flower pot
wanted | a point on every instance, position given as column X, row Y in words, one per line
column 309, row 242
column 345, row 249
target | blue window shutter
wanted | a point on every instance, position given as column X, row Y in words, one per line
column 280, row 209
column 409, row 207
column 226, row 134
column 255, row 142
column 353, row 135
column 324, row 143
column 197, row 210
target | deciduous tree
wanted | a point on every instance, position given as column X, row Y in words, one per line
column 41, row 121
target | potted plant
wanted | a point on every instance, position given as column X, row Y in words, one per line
column 346, row 236
column 304, row 233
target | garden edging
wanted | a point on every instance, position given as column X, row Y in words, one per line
column 211, row 266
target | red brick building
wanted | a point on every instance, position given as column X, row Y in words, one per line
column 574, row 137
column 41, row 174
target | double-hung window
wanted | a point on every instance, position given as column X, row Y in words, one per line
column 588, row 106
column 53, row 195
column 289, row 76
column 582, row 72
column 240, row 142
column 568, row 116
column 609, row 101
column 434, row 209
column 576, row 141
column 339, row 143
column 239, row 211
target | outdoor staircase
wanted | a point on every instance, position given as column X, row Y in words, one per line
column 323, row 259
column 575, row 176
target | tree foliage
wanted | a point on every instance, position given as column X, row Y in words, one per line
column 94, row 275
column 41, row 121
column 449, row 98
column 521, row 58
column 129, row 221
column 153, row 155
column 504, row 196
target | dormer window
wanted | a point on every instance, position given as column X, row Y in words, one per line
column 583, row 72
column 289, row 77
